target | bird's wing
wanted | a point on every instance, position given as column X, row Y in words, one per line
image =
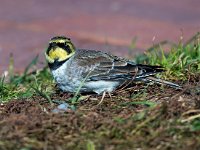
column 108, row 67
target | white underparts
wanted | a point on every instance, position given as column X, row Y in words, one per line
column 101, row 86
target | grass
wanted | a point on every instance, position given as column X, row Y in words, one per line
column 27, row 84
column 182, row 59
column 151, row 117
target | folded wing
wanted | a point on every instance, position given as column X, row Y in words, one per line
column 109, row 67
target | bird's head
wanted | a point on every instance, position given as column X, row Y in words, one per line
column 60, row 49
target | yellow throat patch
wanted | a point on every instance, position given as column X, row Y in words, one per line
column 57, row 54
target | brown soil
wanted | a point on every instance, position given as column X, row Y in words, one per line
column 30, row 124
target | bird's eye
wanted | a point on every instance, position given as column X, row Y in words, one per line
column 67, row 46
column 52, row 44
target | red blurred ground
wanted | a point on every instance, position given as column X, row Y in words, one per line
column 26, row 26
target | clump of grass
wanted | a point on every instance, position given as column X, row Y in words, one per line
column 182, row 59
column 27, row 84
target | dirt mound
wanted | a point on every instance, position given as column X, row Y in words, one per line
column 117, row 123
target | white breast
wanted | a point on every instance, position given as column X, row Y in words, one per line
column 65, row 80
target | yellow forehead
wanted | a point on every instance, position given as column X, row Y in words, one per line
column 60, row 41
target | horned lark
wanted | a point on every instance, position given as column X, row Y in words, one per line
column 94, row 71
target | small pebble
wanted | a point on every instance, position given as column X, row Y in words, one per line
column 61, row 108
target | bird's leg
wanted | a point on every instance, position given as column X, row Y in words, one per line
column 110, row 95
column 102, row 98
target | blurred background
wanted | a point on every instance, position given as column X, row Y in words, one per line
column 108, row 25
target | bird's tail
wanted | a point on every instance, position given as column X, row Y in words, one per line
column 160, row 81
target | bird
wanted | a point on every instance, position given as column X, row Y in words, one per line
column 92, row 71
